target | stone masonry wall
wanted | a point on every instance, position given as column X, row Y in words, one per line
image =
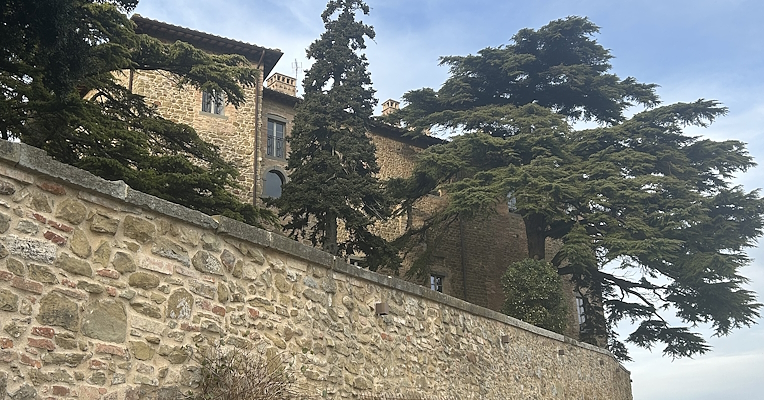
column 106, row 292
column 233, row 132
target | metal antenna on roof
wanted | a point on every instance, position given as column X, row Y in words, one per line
column 297, row 67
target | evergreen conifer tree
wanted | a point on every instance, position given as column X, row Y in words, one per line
column 637, row 192
column 59, row 62
column 332, row 163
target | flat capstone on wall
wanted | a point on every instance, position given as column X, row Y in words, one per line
column 108, row 293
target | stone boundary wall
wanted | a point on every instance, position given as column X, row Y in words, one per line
column 106, row 293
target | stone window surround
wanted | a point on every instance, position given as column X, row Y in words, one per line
column 279, row 119
column 211, row 113
column 437, row 281
column 275, row 169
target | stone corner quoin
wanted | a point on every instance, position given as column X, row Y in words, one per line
column 109, row 293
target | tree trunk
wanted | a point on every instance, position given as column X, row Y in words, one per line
column 535, row 231
column 330, row 236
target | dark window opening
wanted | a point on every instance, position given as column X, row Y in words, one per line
column 276, row 145
column 581, row 312
column 273, row 182
column 436, row 282
column 212, row 102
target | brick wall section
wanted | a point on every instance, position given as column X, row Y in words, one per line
column 105, row 293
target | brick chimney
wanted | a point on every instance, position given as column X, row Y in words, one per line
column 282, row 83
column 390, row 106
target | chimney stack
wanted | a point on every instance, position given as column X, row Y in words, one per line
column 390, row 106
column 282, row 83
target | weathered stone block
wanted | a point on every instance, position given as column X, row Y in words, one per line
column 27, row 227
column 74, row 265
column 123, row 262
column 68, row 359
column 139, row 229
column 158, row 265
column 41, row 273
column 25, row 392
column 228, row 260
column 141, row 351
column 9, row 301
column 207, row 263
column 175, row 354
column 57, row 310
column 180, row 304
column 102, row 254
column 79, row 244
column 202, row 289
column 72, row 211
column 147, row 325
column 93, row 288
column 7, row 188
column 105, row 320
column 40, row 202
column 143, row 280
column 147, row 309
column 5, row 222
column 171, row 250
column 223, row 293
column 104, row 224
column 24, row 284
column 32, row 249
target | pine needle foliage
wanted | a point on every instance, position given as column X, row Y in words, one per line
column 332, row 163
column 60, row 61
column 635, row 192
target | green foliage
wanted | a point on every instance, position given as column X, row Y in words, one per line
column 58, row 76
column 332, row 162
column 534, row 294
column 560, row 67
column 636, row 192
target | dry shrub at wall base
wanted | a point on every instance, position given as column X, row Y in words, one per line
column 232, row 373
column 534, row 294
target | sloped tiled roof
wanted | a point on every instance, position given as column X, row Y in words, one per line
column 208, row 42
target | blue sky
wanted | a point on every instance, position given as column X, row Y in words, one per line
column 712, row 49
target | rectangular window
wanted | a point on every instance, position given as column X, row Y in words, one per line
column 276, row 145
column 212, row 102
column 436, row 283
column 581, row 311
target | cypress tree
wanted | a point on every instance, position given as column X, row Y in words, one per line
column 332, row 165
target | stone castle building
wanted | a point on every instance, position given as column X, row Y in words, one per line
column 471, row 258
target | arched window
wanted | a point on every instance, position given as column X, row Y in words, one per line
column 273, row 181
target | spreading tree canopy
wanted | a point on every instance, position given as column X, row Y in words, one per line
column 59, row 66
column 332, row 161
column 647, row 217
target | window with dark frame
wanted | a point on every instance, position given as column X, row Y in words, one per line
column 212, row 102
column 275, row 145
column 581, row 312
column 273, row 182
column 436, row 282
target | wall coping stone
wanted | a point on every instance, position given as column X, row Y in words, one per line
column 36, row 160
